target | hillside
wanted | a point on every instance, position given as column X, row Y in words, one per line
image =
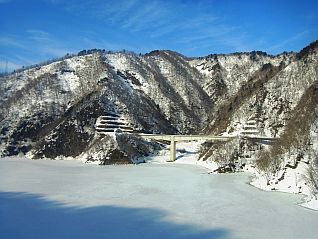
column 50, row 111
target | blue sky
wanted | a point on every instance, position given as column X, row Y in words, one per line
column 32, row 31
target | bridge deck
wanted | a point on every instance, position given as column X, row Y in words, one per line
column 199, row 137
column 184, row 137
column 178, row 138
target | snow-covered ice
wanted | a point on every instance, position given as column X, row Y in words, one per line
column 294, row 181
column 68, row 199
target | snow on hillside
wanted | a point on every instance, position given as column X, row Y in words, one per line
column 128, row 65
column 233, row 69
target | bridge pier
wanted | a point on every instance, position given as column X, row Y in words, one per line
column 172, row 149
column 175, row 138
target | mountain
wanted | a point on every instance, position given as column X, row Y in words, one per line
column 51, row 110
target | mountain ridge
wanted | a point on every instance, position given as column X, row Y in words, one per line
column 50, row 111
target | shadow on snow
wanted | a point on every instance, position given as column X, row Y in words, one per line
column 25, row 215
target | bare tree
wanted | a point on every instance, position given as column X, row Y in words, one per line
column 312, row 176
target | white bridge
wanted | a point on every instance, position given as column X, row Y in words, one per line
column 115, row 123
column 178, row 138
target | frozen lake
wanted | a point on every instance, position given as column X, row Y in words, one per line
column 68, row 199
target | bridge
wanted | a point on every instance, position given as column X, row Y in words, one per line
column 112, row 123
column 178, row 138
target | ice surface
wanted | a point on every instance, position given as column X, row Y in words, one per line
column 68, row 199
column 294, row 181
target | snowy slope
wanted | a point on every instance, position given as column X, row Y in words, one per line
column 66, row 97
column 282, row 100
